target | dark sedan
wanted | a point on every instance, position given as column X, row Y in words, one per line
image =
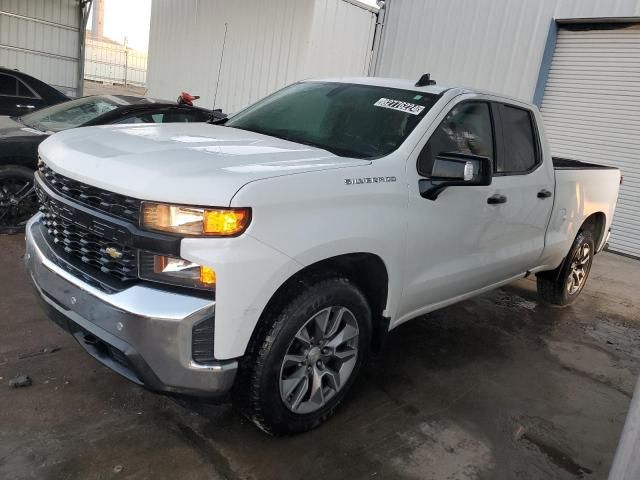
column 21, row 93
column 20, row 137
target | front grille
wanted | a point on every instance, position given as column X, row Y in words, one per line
column 120, row 206
column 74, row 242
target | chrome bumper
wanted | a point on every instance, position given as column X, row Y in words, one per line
column 142, row 333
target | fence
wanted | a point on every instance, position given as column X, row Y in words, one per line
column 107, row 61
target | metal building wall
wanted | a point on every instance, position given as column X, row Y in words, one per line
column 40, row 37
column 490, row 44
column 268, row 45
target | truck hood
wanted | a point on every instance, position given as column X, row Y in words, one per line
column 196, row 164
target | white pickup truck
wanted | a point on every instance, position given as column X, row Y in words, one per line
column 266, row 256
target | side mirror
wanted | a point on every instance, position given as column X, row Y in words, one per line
column 454, row 170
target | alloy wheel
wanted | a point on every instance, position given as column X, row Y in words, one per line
column 579, row 269
column 18, row 201
column 319, row 360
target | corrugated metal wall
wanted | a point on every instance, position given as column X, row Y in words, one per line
column 591, row 111
column 268, row 45
column 40, row 37
column 490, row 44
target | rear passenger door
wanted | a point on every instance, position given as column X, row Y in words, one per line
column 523, row 186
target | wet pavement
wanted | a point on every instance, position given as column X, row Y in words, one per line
column 498, row 387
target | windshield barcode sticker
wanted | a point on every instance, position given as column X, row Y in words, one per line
column 406, row 107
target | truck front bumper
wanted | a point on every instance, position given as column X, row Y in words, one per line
column 143, row 333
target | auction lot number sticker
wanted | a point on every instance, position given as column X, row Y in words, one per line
column 406, row 107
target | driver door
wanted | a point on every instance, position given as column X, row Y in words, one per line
column 451, row 240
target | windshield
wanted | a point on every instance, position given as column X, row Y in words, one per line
column 361, row 121
column 69, row 114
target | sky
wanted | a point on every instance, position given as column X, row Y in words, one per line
column 128, row 18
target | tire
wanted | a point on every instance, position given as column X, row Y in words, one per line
column 18, row 200
column 561, row 286
column 271, row 391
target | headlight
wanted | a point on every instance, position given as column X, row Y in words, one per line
column 176, row 271
column 214, row 222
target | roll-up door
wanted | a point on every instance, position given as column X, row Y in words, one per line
column 591, row 109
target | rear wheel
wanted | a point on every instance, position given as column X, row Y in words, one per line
column 563, row 285
column 305, row 358
column 18, row 199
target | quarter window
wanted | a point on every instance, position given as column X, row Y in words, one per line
column 24, row 91
column 520, row 149
column 467, row 129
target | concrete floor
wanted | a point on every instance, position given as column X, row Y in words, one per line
column 498, row 387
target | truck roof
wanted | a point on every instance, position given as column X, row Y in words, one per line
column 405, row 84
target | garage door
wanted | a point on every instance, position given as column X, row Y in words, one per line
column 591, row 109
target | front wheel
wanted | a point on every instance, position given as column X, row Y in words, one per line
column 305, row 358
column 563, row 285
column 18, row 199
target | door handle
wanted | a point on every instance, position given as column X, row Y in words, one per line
column 496, row 199
column 25, row 106
column 544, row 193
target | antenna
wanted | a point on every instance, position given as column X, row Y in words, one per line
column 425, row 80
column 224, row 43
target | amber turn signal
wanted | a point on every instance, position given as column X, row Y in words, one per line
column 207, row 276
column 225, row 222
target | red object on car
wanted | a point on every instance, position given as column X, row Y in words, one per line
column 187, row 99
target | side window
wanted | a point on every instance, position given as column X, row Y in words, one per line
column 162, row 117
column 8, row 85
column 139, row 118
column 24, row 91
column 466, row 129
column 179, row 117
column 520, row 147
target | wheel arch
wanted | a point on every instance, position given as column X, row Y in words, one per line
column 595, row 224
column 366, row 270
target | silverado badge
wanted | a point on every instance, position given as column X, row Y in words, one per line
column 359, row 181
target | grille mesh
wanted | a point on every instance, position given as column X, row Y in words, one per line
column 120, row 206
column 75, row 242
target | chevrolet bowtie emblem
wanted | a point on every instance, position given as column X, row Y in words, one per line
column 113, row 253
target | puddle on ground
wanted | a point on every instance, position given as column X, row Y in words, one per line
column 442, row 449
column 557, row 456
column 620, row 337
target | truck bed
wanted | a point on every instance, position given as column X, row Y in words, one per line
column 560, row 163
column 582, row 189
